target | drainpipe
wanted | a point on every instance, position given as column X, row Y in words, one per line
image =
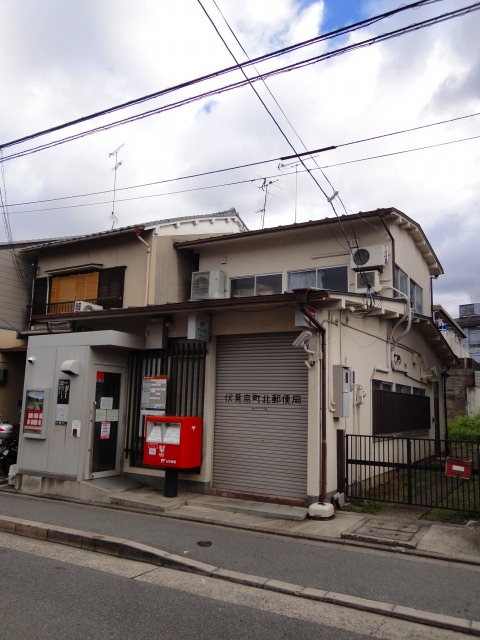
column 138, row 231
column 392, row 240
column 445, row 410
column 323, row 395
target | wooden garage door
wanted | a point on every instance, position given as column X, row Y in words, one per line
column 260, row 442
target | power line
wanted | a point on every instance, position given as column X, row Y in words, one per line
column 250, row 180
column 242, row 83
column 252, row 164
column 285, row 50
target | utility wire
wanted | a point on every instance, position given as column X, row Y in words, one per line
column 264, row 105
column 332, row 34
column 277, row 104
column 21, row 275
column 253, row 164
column 235, row 183
column 242, row 83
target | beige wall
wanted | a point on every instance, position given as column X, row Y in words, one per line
column 15, row 291
column 14, row 362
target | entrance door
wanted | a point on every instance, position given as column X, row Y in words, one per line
column 107, row 436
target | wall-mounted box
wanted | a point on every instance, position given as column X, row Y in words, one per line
column 343, row 381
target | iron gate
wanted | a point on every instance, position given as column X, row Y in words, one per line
column 412, row 471
column 184, row 364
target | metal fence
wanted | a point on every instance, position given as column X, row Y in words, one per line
column 417, row 471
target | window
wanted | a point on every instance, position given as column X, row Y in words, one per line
column 403, row 388
column 103, row 287
column 333, row 278
column 381, row 386
column 401, row 280
column 83, row 286
column 400, row 411
column 264, row 285
column 416, row 297
column 418, row 392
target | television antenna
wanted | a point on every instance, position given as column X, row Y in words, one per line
column 118, row 163
column 265, row 187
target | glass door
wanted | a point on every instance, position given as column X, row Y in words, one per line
column 107, row 439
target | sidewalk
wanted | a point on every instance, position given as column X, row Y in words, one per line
column 401, row 532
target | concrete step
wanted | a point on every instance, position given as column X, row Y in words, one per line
column 249, row 507
column 148, row 500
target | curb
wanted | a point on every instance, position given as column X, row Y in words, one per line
column 344, row 541
column 130, row 550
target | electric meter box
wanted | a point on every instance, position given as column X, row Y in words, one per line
column 343, row 383
column 173, row 441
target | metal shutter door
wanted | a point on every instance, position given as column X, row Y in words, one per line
column 260, row 441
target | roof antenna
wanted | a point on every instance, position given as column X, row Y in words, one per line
column 118, row 163
column 265, row 187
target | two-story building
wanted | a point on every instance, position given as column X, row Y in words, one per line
column 282, row 340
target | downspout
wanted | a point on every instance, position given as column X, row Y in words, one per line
column 445, row 412
column 138, row 231
column 323, row 397
column 382, row 218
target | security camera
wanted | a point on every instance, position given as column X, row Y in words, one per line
column 302, row 339
column 31, row 359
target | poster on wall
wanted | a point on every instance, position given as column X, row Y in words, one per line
column 154, row 392
column 34, row 420
column 63, row 399
column 105, row 431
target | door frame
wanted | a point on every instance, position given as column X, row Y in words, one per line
column 120, row 445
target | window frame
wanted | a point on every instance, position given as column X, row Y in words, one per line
column 416, row 297
column 316, row 271
column 255, row 279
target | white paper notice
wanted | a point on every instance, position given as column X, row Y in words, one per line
column 106, row 403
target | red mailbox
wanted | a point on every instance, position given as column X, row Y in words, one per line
column 173, row 442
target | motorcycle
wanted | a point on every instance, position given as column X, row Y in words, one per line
column 8, row 446
column 8, row 454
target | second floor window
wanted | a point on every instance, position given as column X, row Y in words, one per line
column 402, row 281
column 416, row 297
column 333, row 278
column 264, row 285
column 58, row 294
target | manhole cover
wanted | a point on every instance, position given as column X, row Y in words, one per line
column 385, row 531
column 204, row 543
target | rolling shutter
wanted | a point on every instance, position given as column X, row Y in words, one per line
column 260, row 441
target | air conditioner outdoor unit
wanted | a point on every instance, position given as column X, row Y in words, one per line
column 208, row 285
column 365, row 278
column 82, row 305
column 368, row 257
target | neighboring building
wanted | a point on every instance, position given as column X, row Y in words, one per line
column 451, row 331
column 469, row 320
column 283, row 340
column 15, row 291
column 462, row 381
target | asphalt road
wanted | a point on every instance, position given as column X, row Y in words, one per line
column 429, row 585
column 54, row 592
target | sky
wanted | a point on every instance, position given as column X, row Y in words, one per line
column 61, row 61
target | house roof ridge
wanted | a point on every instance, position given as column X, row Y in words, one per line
column 232, row 212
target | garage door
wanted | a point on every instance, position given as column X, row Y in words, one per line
column 260, row 441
